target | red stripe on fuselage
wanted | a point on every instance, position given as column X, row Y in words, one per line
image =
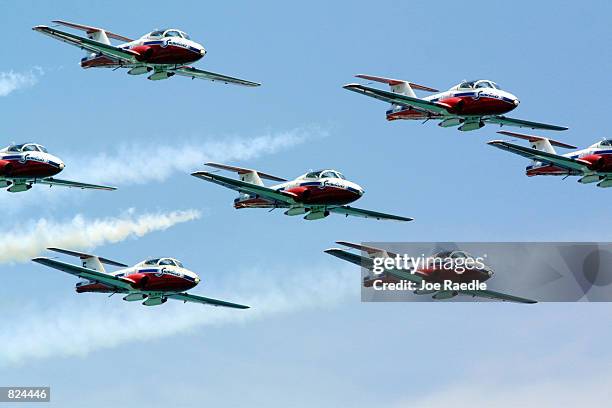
column 461, row 106
column 467, row 105
column 156, row 54
column 28, row 169
column 148, row 281
column 308, row 195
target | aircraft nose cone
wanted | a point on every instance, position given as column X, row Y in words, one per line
column 516, row 102
column 202, row 51
column 197, row 280
column 61, row 166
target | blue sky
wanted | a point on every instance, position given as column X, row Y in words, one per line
column 308, row 340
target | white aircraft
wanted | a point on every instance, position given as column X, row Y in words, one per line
column 25, row 164
column 593, row 164
column 315, row 194
column 153, row 281
column 430, row 273
column 163, row 53
column 468, row 105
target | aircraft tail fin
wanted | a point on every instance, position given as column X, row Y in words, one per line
column 365, row 261
column 398, row 85
column 89, row 261
column 247, row 175
column 94, row 33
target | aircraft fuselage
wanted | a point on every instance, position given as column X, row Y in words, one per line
column 148, row 279
column 154, row 51
column 313, row 192
column 467, row 102
column 29, row 165
column 598, row 159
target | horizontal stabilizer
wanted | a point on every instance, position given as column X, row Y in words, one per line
column 391, row 82
column 83, row 255
column 241, row 170
column 91, row 30
column 533, row 138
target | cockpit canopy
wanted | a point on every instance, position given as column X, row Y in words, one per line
column 323, row 174
column 603, row 143
column 453, row 254
column 477, row 84
column 168, row 33
column 164, row 262
column 27, row 147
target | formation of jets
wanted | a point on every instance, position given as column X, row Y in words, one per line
column 314, row 195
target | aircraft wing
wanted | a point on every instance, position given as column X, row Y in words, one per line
column 503, row 120
column 86, row 273
column 403, row 275
column 186, row 297
column 247, row 188
column 542, row 156
column 399, row 99
column 211, row 76
column 358, row 212
column 351, row 257
column 90, row 45
column 491, row 294
column 67, row 183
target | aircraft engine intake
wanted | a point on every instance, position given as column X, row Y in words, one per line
column 596, row 162
column 144, row 52
column 5, row 167
column 140, row 280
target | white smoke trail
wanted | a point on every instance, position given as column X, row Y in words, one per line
column 30, row 238
column 86, row 324
column 11, row 81
column 141, row 163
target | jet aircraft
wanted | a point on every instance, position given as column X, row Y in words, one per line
column 315, row 194
column 433, row 273
column 162, row 53
column 593, row 164
column 22, row 165
column 152, row 281
column 468, row 105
